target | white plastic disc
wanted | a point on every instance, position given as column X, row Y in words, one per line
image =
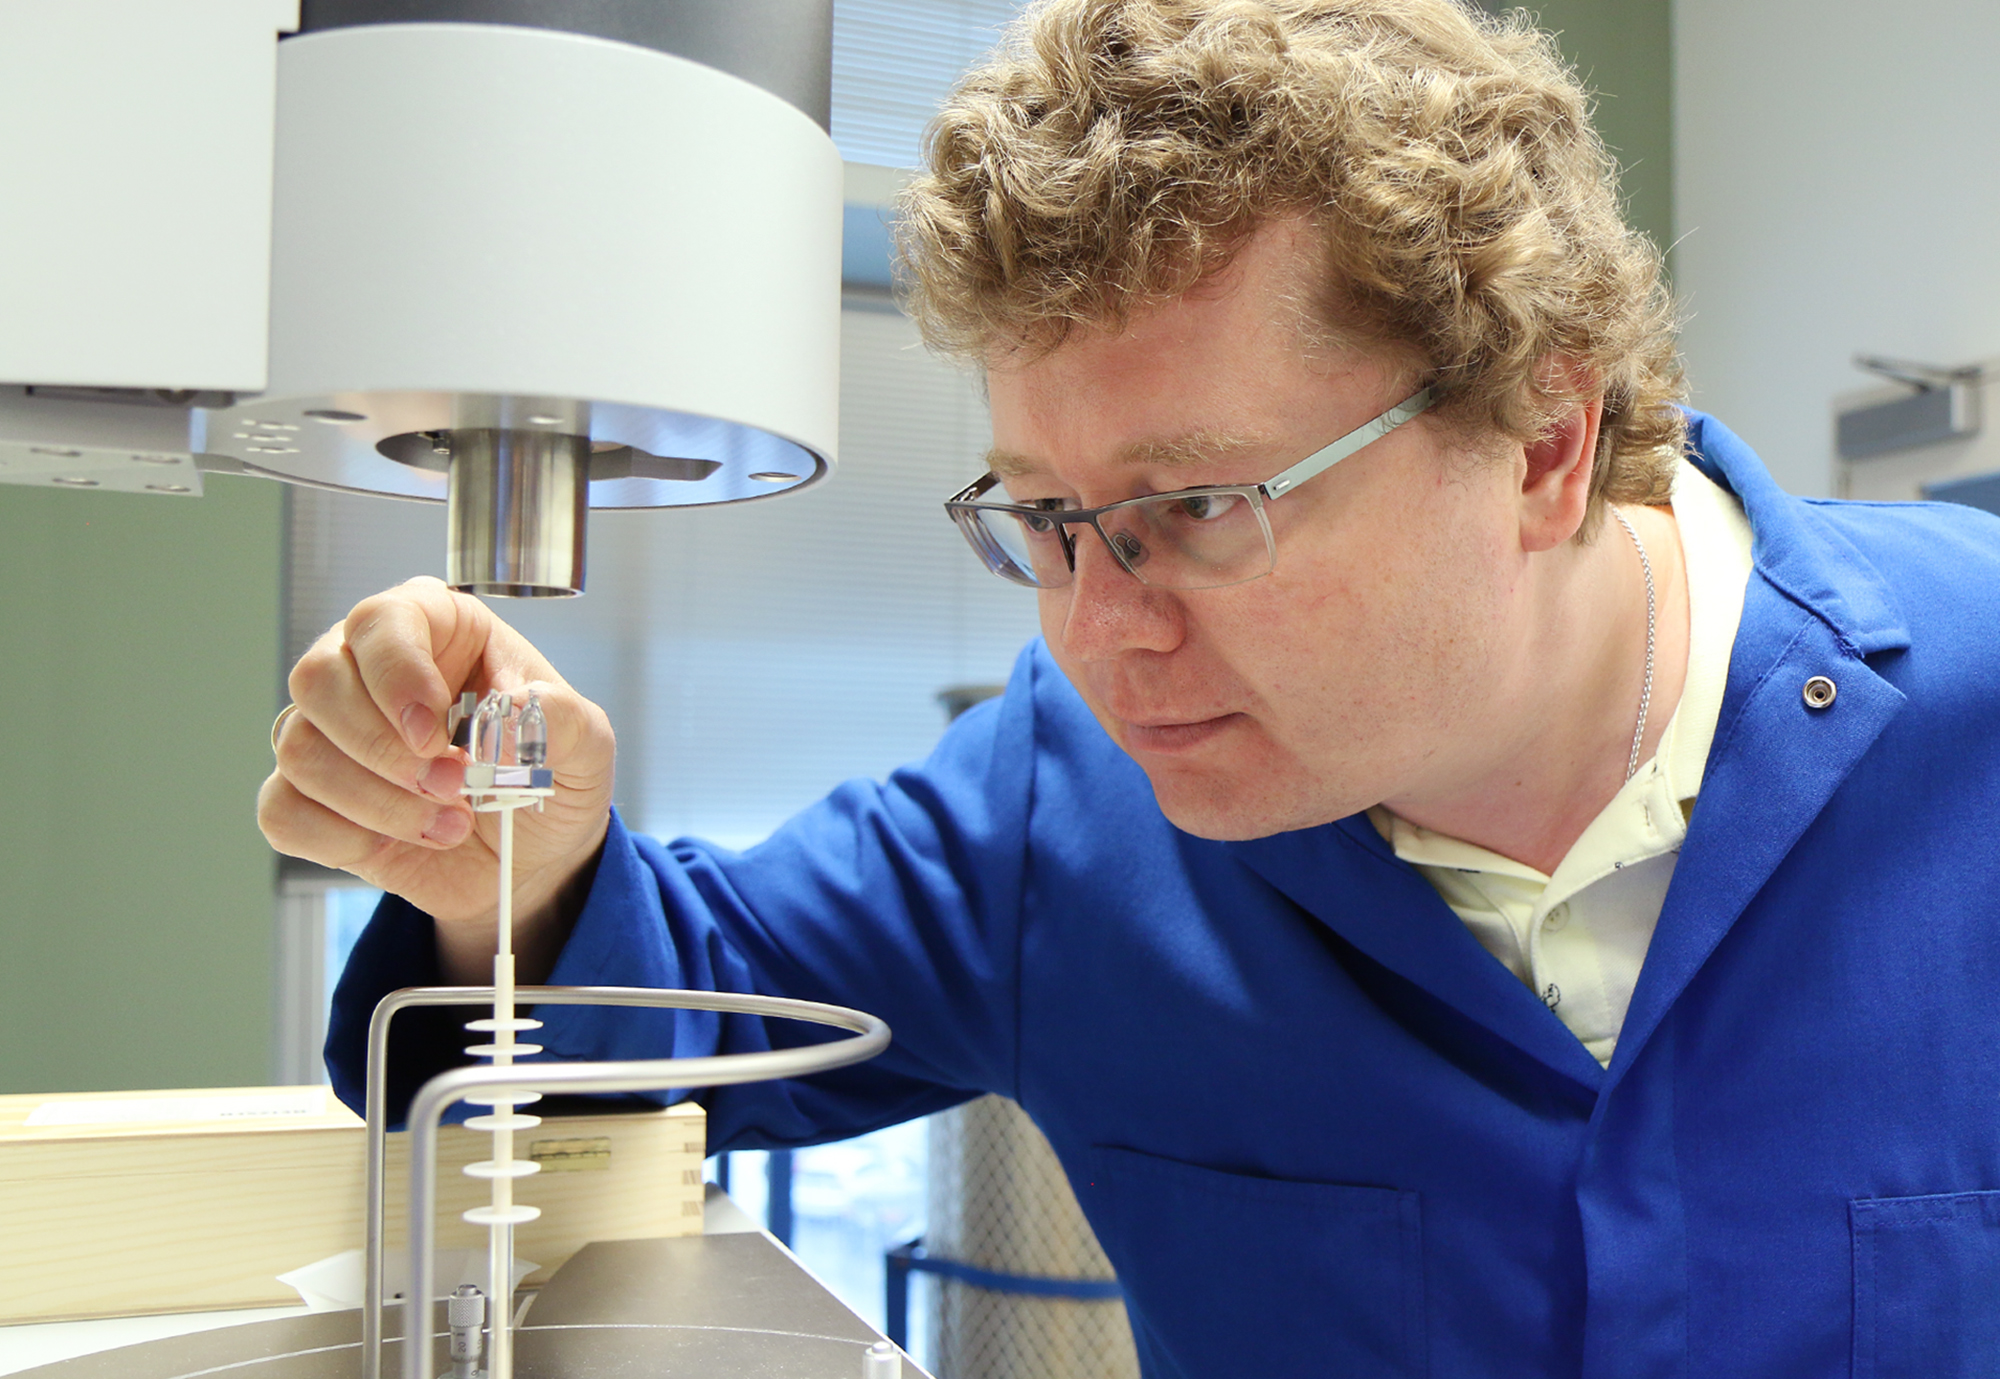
column 504, row 1098
column 518, row 1026
column 501, row 1216
column 494, row 801
column 490, row 1050
column 513, row 1168
column 500, row 1124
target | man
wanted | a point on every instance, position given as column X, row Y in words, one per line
column 1514, row 901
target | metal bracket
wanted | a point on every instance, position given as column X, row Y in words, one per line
column 1944, row 406
column 1923, row 377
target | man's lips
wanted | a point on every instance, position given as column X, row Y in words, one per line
column 1173, row 735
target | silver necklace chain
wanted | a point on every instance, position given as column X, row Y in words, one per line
column 1646, row 691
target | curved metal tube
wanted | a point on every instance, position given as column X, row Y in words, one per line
column 871, row 1036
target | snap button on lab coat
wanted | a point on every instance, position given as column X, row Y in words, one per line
column 1819, row 692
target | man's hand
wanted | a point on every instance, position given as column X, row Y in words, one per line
column 368, row 782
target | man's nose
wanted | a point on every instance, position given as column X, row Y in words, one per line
column 1110, row 610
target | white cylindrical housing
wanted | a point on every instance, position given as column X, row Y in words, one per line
column 473, row 219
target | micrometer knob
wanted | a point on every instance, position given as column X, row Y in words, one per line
column 465, row 1313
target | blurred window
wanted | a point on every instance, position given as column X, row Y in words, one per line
column 893, row 61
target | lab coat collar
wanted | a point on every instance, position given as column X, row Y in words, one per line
column 1346, row 876
column 1809, row 562
column 1815, row 606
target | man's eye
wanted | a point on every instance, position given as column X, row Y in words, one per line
column 1041, row 526
column 1204, row 507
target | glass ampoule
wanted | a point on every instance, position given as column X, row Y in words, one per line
column 531, row 734
column 489, row 727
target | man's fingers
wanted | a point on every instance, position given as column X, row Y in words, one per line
column 581, row 745
column 299, row 827
column 416, row 646
column 328, row 776
column 367, row 781
column 338, row 707
column 412, row 647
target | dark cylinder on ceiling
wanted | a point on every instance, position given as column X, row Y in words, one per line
column 784, row 46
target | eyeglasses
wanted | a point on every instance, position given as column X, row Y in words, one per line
column 1191, row 538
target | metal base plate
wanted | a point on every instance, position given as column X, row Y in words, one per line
column 699, row 1307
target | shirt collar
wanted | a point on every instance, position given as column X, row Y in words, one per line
column 1716, row 541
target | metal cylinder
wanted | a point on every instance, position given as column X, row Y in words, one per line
column 784, row 46
column 465, row 1314
column 517, row 507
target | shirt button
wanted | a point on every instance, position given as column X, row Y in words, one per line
column 1556, row 918
column 1819, row 692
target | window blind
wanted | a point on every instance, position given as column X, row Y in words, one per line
column 893, row 62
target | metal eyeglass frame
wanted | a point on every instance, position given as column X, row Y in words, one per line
column 964, row 507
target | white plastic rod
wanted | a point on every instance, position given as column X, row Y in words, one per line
column 499, row 1231
column 502, row 1213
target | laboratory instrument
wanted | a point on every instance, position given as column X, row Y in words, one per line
column 501, row 727
column 519, row 259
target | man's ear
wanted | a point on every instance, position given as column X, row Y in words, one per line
column 1555, row 485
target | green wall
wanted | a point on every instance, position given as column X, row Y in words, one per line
column 139, row 645
column 1623, row 51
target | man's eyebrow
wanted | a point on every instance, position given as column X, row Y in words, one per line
column 1196, row 447
column 1008, row 465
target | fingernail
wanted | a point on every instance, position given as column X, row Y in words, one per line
column 418, row 725
column 449, row 828
column 443, row 777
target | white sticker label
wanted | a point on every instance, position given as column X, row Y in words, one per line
column 305, row 1101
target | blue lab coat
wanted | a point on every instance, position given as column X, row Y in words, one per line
column 1320, row 1130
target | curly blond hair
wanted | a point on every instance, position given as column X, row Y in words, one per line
column 1113, row 152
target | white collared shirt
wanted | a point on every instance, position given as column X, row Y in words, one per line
column 1578, row 935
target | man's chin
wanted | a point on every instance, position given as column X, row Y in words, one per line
column 1235, row 812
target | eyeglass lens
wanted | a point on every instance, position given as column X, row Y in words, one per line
column 1179, row 541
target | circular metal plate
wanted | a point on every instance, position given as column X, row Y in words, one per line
column 313, row 440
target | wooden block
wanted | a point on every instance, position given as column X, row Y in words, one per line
column 204, row 1207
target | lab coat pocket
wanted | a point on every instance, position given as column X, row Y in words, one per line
column 1228, row 1275
column 1927, row 1286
